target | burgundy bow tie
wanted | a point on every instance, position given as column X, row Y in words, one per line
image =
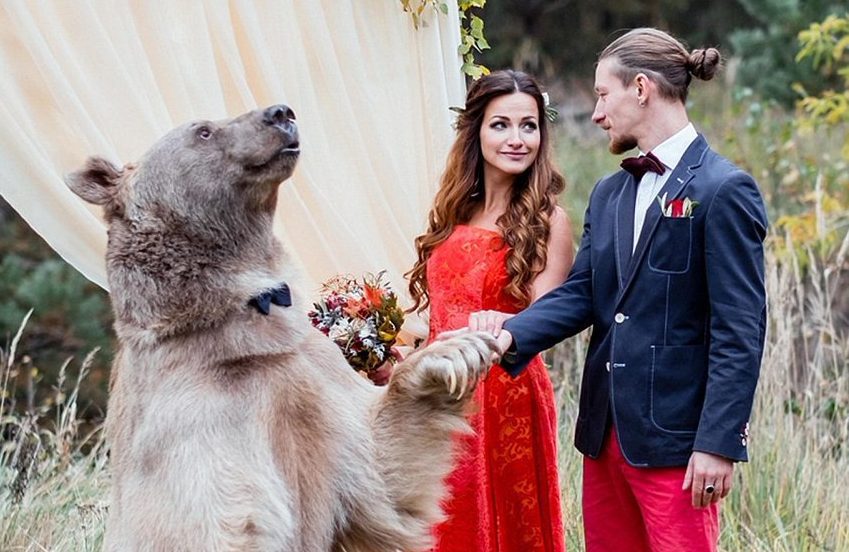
column 638, row 166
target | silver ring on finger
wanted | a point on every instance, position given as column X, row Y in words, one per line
column 710, row 488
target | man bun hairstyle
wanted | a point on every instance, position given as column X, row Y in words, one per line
column 663, row 58
column 704, row 63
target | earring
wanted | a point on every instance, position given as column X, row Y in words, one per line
column 476, row 189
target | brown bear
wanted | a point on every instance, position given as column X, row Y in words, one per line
column 232, row 423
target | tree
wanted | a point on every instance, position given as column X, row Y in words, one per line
column 826, row 44
column 768, row 49
column 71, row 317
column 821, row 230
column 561, row 39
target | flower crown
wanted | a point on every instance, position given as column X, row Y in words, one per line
column 550, row 113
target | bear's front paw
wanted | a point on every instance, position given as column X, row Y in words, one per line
column 454, row 364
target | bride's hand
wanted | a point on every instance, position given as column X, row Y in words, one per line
column 381, row 374
column 488, row 321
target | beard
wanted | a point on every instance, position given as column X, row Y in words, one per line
column 622, row 144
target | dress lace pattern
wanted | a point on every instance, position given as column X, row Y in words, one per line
column 505, row 494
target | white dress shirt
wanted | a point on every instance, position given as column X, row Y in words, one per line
column 670, row 152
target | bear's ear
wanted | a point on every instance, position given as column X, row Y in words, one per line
column 99, row 182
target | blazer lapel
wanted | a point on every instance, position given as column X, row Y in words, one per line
column 675, row 184
column 623, row 229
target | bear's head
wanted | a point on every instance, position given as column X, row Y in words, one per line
column 192, row 219
column 222, row 166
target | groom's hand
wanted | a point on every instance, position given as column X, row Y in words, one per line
column 709, row 477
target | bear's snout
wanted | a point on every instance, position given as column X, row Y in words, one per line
column 282, row 118
column 278, row 115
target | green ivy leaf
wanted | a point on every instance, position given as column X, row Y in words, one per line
column 472, row 37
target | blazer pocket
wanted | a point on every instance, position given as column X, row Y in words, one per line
column 678, row 376
column 671, row 245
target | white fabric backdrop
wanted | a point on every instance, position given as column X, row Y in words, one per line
column 371, row 94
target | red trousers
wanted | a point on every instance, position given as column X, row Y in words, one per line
column 637, row 509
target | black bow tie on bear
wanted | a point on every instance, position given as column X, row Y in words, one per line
column 638, row 166
column 280, row 296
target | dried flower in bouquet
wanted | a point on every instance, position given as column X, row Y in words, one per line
column 361, row 316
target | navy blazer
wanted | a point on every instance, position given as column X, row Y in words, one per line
column 677, row 327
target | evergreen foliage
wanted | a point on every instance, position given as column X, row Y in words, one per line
column 71, row 316
column 827, row 44
column 768, row 48
column 559, row 40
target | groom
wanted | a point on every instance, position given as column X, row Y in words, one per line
column 670, row 275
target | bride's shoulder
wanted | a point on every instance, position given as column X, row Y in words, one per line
column 559, row 219
column 560, row 232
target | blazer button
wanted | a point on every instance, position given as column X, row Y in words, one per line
column 619, row 318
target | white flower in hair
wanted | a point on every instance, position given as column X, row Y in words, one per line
column 550, row 112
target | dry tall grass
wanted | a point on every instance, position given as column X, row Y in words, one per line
column 53, row 481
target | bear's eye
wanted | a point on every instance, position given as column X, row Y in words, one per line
column 204, row 133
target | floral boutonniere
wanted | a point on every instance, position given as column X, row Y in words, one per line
column 677, row 208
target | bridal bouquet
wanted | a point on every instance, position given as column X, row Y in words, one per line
column 361, row 316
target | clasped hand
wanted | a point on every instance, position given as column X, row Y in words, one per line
column 491, row 322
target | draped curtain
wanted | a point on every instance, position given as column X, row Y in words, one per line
column 109, row 77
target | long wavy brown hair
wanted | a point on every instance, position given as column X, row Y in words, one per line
column 525, row 225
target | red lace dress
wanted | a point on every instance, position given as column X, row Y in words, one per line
column 505, row 493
